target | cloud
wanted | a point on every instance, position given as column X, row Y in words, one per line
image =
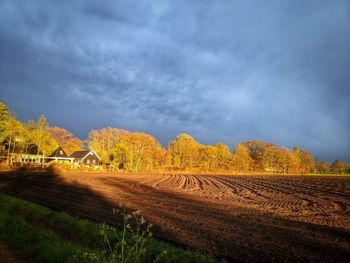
column 220, row 71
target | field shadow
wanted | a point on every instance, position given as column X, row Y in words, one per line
column 48, row 188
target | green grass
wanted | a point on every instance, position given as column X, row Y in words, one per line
column 43, row 235
column 34, row 243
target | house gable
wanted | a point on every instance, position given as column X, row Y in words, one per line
column 87, row 157
column 59, row 152
column 92, row 152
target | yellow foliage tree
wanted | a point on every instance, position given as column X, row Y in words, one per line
column 184, row 152
column 241, row 158
column 138, row 152
column 104, row 142
column 42, row 137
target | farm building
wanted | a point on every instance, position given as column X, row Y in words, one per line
column 59, row 156
column 31, row 157
column 59, row 153
column 86, row 157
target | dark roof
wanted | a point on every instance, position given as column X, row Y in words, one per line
column 80, row 154
column 59, row 152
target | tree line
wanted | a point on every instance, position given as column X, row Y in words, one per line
column 123, row 150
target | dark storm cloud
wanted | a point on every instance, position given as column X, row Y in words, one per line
column 219, row 70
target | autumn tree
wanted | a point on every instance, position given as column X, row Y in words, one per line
column 268, row 157
column 60, row 135
column 104, row 142
column 208, row 157
column 141, row 152
column 223, row 156
column 215, row 157
column 184, row 152
column 121, row 157
column 4, row 116
column 339, row 167
column 66, row 140
column 12, row 132
column 30, row 147
column 322, row 167
column 286, row 161
column 137, row 152
column 42, row 137
column 18, row 136
column 242, row 161
column 72, row 145
column 255, row 149
column 4, row 111
column 305, row 160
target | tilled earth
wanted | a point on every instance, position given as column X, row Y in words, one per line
column 238, row 218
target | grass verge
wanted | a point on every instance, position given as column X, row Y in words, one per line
column 43, row 235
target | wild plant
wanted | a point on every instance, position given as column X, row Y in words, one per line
column 129, row 244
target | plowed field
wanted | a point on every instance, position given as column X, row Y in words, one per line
column 239, row 218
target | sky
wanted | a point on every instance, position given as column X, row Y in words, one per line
column 222, row 71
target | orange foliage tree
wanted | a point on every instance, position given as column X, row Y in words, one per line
column 305, row 160
column 286, row 161
column 339, row 167
column 322, row 167
column 66, row 140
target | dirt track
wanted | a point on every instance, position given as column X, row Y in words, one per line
column 239, row 218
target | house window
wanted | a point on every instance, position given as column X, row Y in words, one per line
column 93, row 161
column 61, row 152
column 87, row 161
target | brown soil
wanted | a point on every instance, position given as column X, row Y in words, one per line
column 239, row 218
column 7, row 255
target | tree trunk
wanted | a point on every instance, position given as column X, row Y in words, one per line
column 8, row 152
column 14, row 147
